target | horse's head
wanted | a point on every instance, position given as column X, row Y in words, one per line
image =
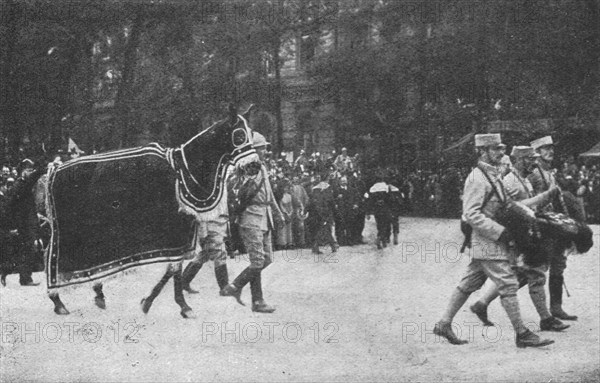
column 202, row 162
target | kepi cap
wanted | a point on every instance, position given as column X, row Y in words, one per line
column 544, row 141
column 488, row 139
column 523, row 151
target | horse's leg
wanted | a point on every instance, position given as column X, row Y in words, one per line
column 99, row 299
column 147, row 302
column 186, row 311
column 59, row 307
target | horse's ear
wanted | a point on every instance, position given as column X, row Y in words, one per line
column 232, row 113
column 247, row 113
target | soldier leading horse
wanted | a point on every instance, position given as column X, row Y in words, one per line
column 117, row 210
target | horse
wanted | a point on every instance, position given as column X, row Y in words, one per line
column 129, row 196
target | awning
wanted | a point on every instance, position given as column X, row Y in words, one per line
column 460, row 142
column 593, row 152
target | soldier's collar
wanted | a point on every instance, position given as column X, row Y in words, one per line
column 489, row 169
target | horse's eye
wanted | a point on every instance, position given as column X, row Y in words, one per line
column 239, row 137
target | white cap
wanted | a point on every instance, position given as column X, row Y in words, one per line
column 489, row 139
column 536, row 144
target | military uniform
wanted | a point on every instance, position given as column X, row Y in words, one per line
column 209, row 246
column 492, row 251
column 256, row 225
column 519, row 188
column 542, row 179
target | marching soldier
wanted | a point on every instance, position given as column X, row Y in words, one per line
column 256, row 225
column 542, row 179
column 492, row 252
column 519, row 188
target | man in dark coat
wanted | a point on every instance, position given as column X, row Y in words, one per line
column 347, row 201
column 22, row 208
column 322, row 213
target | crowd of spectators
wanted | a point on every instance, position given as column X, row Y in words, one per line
column 423, row 193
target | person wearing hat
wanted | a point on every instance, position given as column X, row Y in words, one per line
column 543, row 178
column 256, row 224
column 492, row 249
column 519, row 188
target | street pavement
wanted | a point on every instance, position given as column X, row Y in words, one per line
column 360, row 314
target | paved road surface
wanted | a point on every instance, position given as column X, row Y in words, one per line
column 358, row 315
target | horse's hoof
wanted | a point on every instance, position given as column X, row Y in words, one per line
column 61, row 310
column 100, row 302
column 146, row 304
column 188, row 314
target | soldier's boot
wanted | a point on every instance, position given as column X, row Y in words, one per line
column 379, row 243
column 191, row 270
column 552, row 324
column 444, row 329
column 529, row 339
column 258, row 303
column 234, row 289
column 395, row 238
column 480, row 309
column 222, row 276
column 555, row 285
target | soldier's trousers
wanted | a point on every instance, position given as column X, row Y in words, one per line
column 211, row 245
column 558, row 264
column 259, row 245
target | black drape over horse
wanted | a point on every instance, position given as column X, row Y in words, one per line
column 114, row 211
